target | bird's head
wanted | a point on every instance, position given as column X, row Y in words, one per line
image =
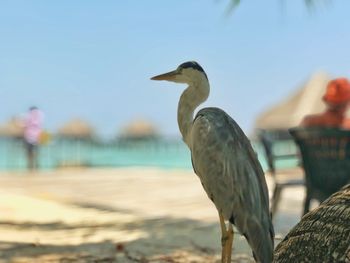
column 188, row 72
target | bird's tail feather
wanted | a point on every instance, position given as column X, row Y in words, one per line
column 261, row 240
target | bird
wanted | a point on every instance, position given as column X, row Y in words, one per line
column 226, row 164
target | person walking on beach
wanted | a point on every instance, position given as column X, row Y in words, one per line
column 337, row 99
column 32, row 130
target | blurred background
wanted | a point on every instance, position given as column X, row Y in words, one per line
column 87, row 66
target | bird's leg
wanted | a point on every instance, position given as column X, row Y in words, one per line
column 224, row 238
column 229, row 243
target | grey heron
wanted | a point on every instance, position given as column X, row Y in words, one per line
column 226, row 165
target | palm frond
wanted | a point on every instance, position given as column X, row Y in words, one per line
column 309, row 3
column 233, row 4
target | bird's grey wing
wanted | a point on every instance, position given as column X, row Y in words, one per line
column 232, row 177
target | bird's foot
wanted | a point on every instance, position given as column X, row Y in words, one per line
column 224, row 240
column 226, row 244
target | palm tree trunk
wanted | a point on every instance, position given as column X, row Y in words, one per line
column 322, row 235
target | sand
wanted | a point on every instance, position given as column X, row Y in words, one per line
column 118, row 215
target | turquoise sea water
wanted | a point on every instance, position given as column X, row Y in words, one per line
column 163, row 154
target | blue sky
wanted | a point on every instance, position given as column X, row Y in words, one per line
column 93, row 59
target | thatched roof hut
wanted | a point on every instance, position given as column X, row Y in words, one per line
column 290, row 112
column 76, row 129
column 139, row 129
column 12, row 129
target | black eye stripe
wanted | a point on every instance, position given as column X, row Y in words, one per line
column 193, row 65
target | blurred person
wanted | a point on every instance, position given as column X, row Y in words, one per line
column 337, row 99
column 32, row 131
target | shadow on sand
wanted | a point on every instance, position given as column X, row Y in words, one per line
column 157, row 240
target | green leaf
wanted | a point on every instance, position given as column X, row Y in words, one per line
column 309, row 4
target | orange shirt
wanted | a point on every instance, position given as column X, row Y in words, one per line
column 327, row 119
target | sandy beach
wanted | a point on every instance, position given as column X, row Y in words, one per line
column 118, row 215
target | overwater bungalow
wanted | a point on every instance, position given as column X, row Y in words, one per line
column 138, row 132
column 75, row 139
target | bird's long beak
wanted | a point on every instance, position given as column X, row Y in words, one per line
column 166, row 76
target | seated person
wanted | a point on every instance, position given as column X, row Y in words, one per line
column 337, row 99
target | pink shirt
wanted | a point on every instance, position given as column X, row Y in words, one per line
column 32, row 126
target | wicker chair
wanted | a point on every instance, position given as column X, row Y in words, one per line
column 282, row 177
column 325, row 155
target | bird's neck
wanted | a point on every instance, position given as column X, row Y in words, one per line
column 191, row 98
